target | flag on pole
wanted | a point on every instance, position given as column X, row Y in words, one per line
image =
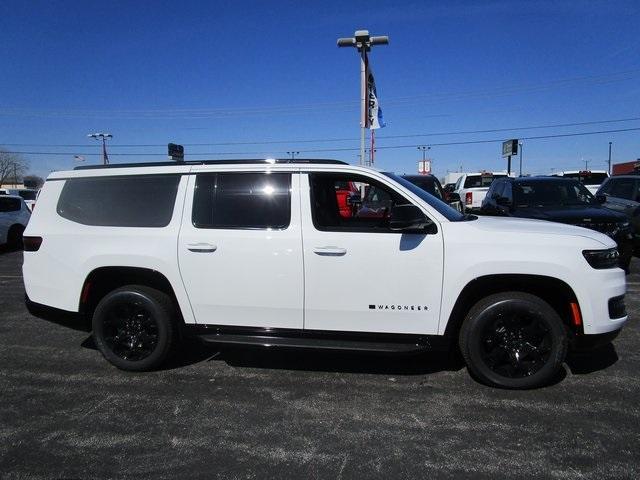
column 374, row 112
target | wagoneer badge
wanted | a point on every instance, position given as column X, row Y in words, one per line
column 415, row 308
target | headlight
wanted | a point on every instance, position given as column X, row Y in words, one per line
column 601, row 259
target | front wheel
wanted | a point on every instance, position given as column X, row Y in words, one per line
column 513, row 340
column 134, row 329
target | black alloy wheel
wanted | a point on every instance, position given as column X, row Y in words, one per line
column 134, row 327
column 513, row 340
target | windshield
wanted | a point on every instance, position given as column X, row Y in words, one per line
column 27, row 194
column 477, row 181
column 542, row 193
column 428, row 184
column 587, row 178
column 442, row 208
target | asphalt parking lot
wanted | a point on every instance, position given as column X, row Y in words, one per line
column 66, row 413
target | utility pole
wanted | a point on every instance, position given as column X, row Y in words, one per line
column 424, row 149
column 103, row 137
column 586, row 164
column 363, row 42
column 520, row 145
column 610, row 158
column 293, row 154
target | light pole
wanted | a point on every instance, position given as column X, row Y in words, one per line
column 104, row 137
column 610, row 157
column 293, row 154
column 363, row 42
column 424, row 149
column 520, row 145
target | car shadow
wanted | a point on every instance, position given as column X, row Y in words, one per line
column 315, row 360
column 581, row 363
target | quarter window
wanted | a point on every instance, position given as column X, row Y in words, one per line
column 120, row 201
column 242, row 200
column 364, row 206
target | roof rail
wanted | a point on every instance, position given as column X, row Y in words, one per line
column 214, row 162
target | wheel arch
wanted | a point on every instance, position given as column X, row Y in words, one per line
column 554, row 291
column 103, row 280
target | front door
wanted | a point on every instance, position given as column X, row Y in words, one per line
column 361, row 276
column 240, row 248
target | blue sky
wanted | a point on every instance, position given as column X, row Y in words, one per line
column 231, row 72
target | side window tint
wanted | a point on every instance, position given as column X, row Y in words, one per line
column 120, row 201
column 242, row 200
column 623, row 188
column 9, row 204
column 507, row 192
column 335, row 209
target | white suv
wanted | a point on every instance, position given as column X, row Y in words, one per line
column 250, row 252
column 14, row 216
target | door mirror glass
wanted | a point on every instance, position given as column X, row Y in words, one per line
column 601, row 198
column 454, row 197
column 407, row 218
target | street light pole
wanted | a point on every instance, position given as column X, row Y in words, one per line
column 424, row 149
column 610, row 158
column 103, row 137
column 363, row 42
column 520, row 145
column 293, row 154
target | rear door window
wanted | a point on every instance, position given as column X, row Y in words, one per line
column 242, row 200
column 623, row 188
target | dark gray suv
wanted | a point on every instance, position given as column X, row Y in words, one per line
column 622, row 194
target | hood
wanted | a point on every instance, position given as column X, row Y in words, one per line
column 582, row 214
column 508, row 225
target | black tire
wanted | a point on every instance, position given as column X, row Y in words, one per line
column 14, row 237
column 513, row 340
column 134, row 327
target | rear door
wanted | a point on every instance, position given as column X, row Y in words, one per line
column 240, row 248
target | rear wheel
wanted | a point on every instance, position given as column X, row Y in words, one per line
column 134, row 329
column 513, row 340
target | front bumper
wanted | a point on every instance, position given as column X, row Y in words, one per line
column 581, row 343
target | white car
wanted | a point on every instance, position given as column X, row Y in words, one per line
column 261, row 253
column 591, row 179
column 29, row 195
column 473, row 187
column 14, row 216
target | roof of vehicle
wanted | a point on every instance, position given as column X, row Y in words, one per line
column 485, row 173
column 564, row 172
column 418, row 176
column 260, row 161
column 541, row 178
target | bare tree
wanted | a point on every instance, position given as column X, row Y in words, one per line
column 12, row 167
column 33, row 181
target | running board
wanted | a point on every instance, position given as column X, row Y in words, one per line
column 309, row 342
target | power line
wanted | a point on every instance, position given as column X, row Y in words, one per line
column 329, row 140
column 203, row 113
column 318, row 150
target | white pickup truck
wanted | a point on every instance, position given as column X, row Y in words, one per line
column 473, row 187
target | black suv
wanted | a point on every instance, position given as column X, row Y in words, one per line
column 622, row 194
column 430, row 184
column 560, row 200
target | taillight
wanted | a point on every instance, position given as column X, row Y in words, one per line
column 31, row 244
column 468, row 198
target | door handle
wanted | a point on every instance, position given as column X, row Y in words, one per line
column 201, row 247
column 330, row 251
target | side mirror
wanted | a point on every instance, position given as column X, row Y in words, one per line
column 601, row 198
column 407, row 217
column 454, row 197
